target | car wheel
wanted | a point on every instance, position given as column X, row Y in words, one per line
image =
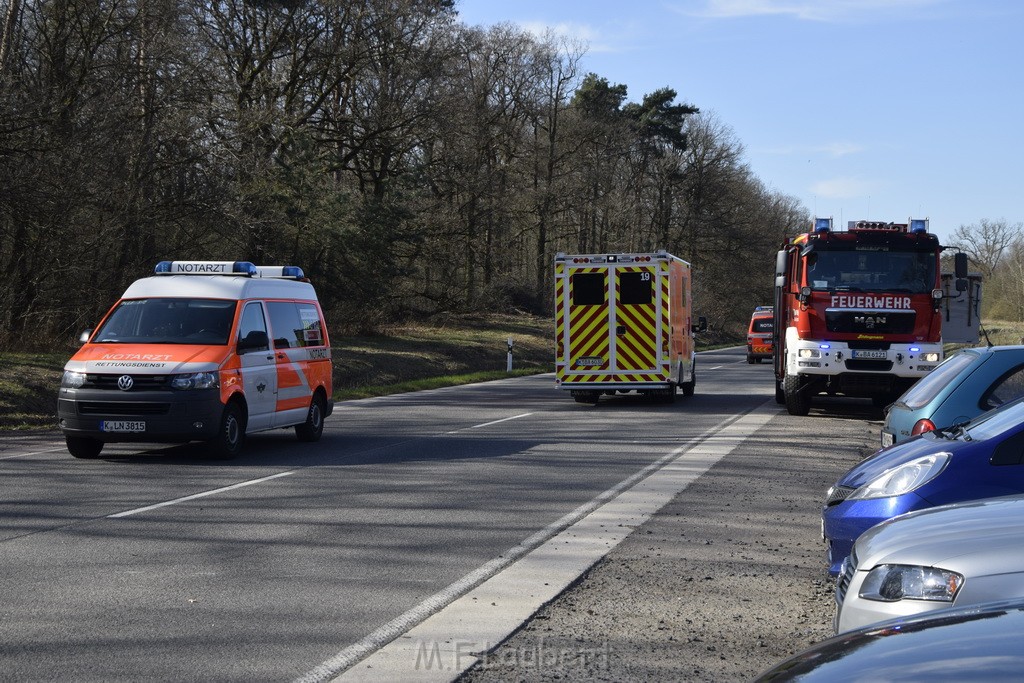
column 83, row 446
column 228, row 442
column 313, row 427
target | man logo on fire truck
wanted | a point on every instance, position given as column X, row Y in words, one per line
column 864, row 312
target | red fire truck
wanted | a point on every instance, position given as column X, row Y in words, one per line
column 860, row 312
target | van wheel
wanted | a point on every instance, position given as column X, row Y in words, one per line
column 83, row 446
column 313, row 427
column 228, row 442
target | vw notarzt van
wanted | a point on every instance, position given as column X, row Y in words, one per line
column 201, row 351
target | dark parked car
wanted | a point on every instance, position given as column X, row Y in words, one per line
column 966, row 384
column 980, row 643
column 982, row 458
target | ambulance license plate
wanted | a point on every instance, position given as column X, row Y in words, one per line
column 590, row 361
column 859, row 353
column 122, row 426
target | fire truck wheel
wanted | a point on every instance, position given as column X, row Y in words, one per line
column 590, row 397
column 797, row 402
column 83, row 446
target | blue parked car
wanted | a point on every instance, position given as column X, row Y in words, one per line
column 966, row 384
column 982, row 458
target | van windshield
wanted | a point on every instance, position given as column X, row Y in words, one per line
column 168, row 321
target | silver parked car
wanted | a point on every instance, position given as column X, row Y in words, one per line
column 947, row 556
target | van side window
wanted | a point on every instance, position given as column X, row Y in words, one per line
column 253, row 328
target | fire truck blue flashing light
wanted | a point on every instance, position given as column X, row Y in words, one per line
column 918, row 225
column 824, row 346
column 822, row 225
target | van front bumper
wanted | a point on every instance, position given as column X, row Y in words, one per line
column 147, row 416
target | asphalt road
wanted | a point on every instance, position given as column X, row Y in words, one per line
column 650, row 541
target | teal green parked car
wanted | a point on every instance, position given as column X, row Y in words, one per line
column 968, row 383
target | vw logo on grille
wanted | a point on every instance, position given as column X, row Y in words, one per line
column 125, row 382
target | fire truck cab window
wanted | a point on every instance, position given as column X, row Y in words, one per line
column 588, row 289
column 874, row 270
column 635, row 288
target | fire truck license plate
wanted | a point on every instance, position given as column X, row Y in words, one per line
column 880, row 355
column 122, row 426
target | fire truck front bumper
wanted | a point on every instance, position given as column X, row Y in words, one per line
column 910, row 360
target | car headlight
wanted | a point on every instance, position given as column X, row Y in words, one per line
column 72, row 379
column 903, row 478
column 196, row 380
column 893, row 582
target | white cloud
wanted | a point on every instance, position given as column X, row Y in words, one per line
column 842, row 188
column 583, row 33
column 809, row 10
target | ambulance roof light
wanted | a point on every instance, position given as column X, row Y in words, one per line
column 918, row 225
column 822, row 225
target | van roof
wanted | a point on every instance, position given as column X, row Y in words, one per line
column 219, row 287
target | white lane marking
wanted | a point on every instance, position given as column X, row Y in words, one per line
column 717, row 367
column 488, row 424
column 485, row 606
column 204, row 494
column 22, row 455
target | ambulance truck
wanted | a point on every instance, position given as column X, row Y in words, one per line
column 623, row 322
column 201, row 351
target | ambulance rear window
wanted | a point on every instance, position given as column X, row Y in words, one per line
column 168, row 320
column 761, row 325
column 588, row 289
column 635, row 288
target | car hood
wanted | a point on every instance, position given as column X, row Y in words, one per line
column 893, row 456
column 985, row 533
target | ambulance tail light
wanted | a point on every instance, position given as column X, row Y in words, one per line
column 922, row 426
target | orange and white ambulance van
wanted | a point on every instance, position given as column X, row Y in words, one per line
column 201, row 351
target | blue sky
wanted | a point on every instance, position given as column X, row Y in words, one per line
column 861, row 109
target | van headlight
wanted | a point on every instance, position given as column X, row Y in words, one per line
column 903, row 478
column 72, row 379
column 195, row 380
column 893, row 582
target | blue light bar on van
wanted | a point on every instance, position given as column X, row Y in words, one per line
column 822, row 225
column 205, row 268
column 290, row 272
column 918, row 225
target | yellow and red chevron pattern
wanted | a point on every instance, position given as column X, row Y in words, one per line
column 639, row 354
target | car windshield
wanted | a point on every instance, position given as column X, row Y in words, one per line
column 995, row 422
column 168, row 321
column 929, row 386
column 871, row 270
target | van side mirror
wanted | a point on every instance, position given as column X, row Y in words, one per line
column 84, row 337
column 257, row 340
column 702, row 324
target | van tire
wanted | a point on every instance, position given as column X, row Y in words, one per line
column 688, row 387
column 83, row 447
column 231, row 435
column 313, row 427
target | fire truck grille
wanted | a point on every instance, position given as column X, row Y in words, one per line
column 869, row 365
column 875, row 322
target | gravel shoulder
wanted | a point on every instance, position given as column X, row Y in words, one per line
column 723, row 582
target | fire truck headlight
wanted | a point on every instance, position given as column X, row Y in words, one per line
column 196, row 380
column 809, row 353
column 930, row 357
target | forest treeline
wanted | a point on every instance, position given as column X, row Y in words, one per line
column 409, row 163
